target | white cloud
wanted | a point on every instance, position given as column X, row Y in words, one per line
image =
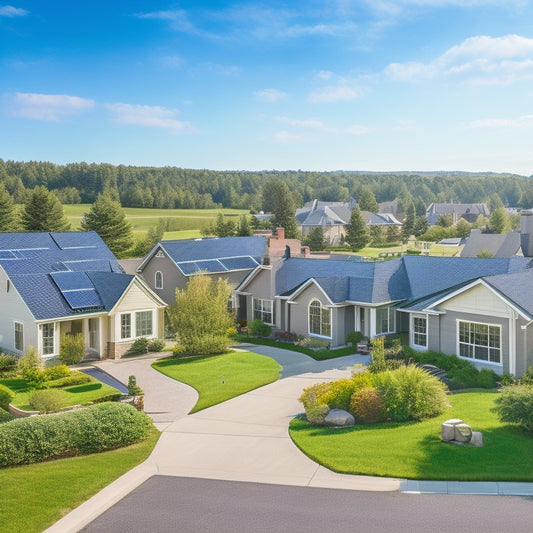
column 270, row 95
column 479, row 59
column 315, row 125
column 11, row 12
column 172, row 62
column 334, row 93
column 51, row 107
column 178, row 19
column 525, row 121
column 150, row 116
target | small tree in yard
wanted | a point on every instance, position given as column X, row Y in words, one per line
column 201, row 317
column 71, row 349
column 357, row 235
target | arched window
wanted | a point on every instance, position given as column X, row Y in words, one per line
column 319, row 319
column 158, row 280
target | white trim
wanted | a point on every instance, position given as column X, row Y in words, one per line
column 15, row 322
column 322, row 307
column 473, row 359
column 309, row 282
column 251, row 276
column 133, row 324
column 418, row 347
column 160, row 287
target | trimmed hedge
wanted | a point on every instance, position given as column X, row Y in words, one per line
column 95, row 429
column 6, row 395
column 76, row 378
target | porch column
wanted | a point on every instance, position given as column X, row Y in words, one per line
column 372, row 325
column 512, row 343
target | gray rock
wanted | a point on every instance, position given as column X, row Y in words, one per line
column 463, row 433
column 477, row 439
column 339, row 417
column 447, row 432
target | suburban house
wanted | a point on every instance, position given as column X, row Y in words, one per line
column 495, row 244
column 333, row 217
column 479, row 309
column 469, row 212
column 52, row 284
column 170, row 264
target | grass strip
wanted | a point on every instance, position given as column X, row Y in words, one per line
column 218, row 378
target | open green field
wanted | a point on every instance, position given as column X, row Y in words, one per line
column 75, row 395
column 414, row 450
column 218, row 378
column 142, row 219
column 36, row 496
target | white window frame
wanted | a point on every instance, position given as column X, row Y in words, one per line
column 19, row 348
column 133, row 324
column 324, row 325
column 478, row 347
column 391, row 320
column 261, row 311
column 54, row 351
column 122, row 326
column 416, row 335
column 158, row 277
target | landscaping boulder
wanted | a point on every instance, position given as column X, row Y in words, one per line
column 447, row 432
column 463, row 433
column 339, row 417
column 477, row 439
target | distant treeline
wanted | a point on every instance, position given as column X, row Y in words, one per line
column 173, row 187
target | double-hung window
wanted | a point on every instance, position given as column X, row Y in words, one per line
column 263, row 310
column 420, row 335
column 48, row 338
column 319, row 319
column 136, row 324
column 480, row 341
column 19, row 336
column 385, row 320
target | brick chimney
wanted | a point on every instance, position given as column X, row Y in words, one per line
column 280, row 232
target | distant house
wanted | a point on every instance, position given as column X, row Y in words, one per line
column 170, row 264
column 498, row 245
column 333, row 217
column 479, row 309
column 55, row 284
column 469, row 212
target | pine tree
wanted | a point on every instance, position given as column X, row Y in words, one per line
column 357, row 235
column 408, row 227
column 315, row 239
column 43, row 212
column 107, row 218
column 499, row 221
column 367, row 200
column 8, row 213
column 278, row 199
column 243, row 228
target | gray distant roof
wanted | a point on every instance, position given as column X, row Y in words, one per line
column 380, row 219
column 213, row 255
column 406, row 279
column 467, row 211
column 62, row 274
column 500, row 245
column 318, row 213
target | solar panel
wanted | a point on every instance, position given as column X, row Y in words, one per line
column 239, row 263
column 188, row 268
column 6, row 254
column 67, row 281
column 82, row 299
column 212, row 265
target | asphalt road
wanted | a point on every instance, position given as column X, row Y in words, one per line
column 187, row 505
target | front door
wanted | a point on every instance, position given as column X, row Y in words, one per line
column 93, row 334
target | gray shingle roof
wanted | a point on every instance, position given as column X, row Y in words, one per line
column 500, row 245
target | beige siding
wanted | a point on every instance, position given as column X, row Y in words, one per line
column 299, row 310
column 478, row 300
column 261, row 286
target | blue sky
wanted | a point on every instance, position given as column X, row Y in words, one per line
column 315, row 85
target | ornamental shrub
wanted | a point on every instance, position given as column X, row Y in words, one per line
column 316, row 413
column 6, row 395
column 366, row 406
column 56, row 372
column 259, row 328
column 178, row 350
column 99, row 427
column 156, row 345
column 207, row 345
column 133, row 388
column 314, row 394
column 76, row 378
column 139, row 346
column 515, row 404
column 48, row 400
column 5, row 416
column 8, row 362
column 34, row 377
column 378, row 356
column 339, row 394
column 487, row 378
column 354, row 337
column 410, row 393
column 30, row 360
column 71, row 349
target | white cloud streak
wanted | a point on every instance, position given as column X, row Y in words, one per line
column 12, row 12
column 481, row 59
column 50, row 107
column 150, row 116
column 270, row 96
column 525, row 121
column 334, row 93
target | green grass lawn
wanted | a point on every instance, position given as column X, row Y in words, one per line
column 414, row 450
column 183, row 234
column 218, row 378
column 36, row 496
column 77, row 394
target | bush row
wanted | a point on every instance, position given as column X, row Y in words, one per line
column 95, row 429
column 407, row 393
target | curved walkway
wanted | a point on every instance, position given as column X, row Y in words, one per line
column 245, row 438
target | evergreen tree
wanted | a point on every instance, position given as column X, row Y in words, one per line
column 367, row 200
column 243, row 228
column 393, row 234
column 8, row 212
column 408, row 227
column 43, row 212
column 357, row 235
column 499, row 221
column 107, row 218
column 421, row 226
column 315, row 239
column 278, row 199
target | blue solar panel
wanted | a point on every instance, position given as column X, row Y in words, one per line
column 67, row 281
column 188, row 268
column 82, row 299
column 239, row 263
column 6, row 254
column 211, row 265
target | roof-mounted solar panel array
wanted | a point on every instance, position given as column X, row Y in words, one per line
column 77, row 289
column 218, row 265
